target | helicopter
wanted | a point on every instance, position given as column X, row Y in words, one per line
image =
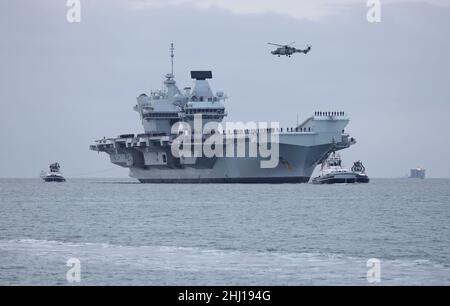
column 288, row 50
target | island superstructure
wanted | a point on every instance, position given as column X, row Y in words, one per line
column 150, row 158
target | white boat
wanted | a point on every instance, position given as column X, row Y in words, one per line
column 54, row 175
column 332, row 172
column 360, row 171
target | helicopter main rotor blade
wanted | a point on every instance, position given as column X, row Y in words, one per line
column 275, row 44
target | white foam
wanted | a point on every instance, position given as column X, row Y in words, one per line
column 228, row 266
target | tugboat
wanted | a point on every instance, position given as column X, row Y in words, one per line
column 54, row 175
column 360, row 171
column 332, row 172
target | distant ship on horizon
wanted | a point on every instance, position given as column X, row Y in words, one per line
column 417, row 173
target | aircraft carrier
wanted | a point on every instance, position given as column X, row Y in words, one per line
column 151, row 159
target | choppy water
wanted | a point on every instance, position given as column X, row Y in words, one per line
column 126, row 233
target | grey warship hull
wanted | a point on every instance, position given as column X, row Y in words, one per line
column 296, row 166
column 150, row 161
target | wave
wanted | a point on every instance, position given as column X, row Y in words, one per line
column 229, row 266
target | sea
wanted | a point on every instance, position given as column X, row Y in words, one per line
column 119, row 232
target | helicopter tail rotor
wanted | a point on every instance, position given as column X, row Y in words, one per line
column 305, row 51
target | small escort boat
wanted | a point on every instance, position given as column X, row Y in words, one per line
column 332, row 172
column 360, row 171
column 54, row 175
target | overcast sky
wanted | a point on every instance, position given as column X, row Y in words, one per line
column 63, row 85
